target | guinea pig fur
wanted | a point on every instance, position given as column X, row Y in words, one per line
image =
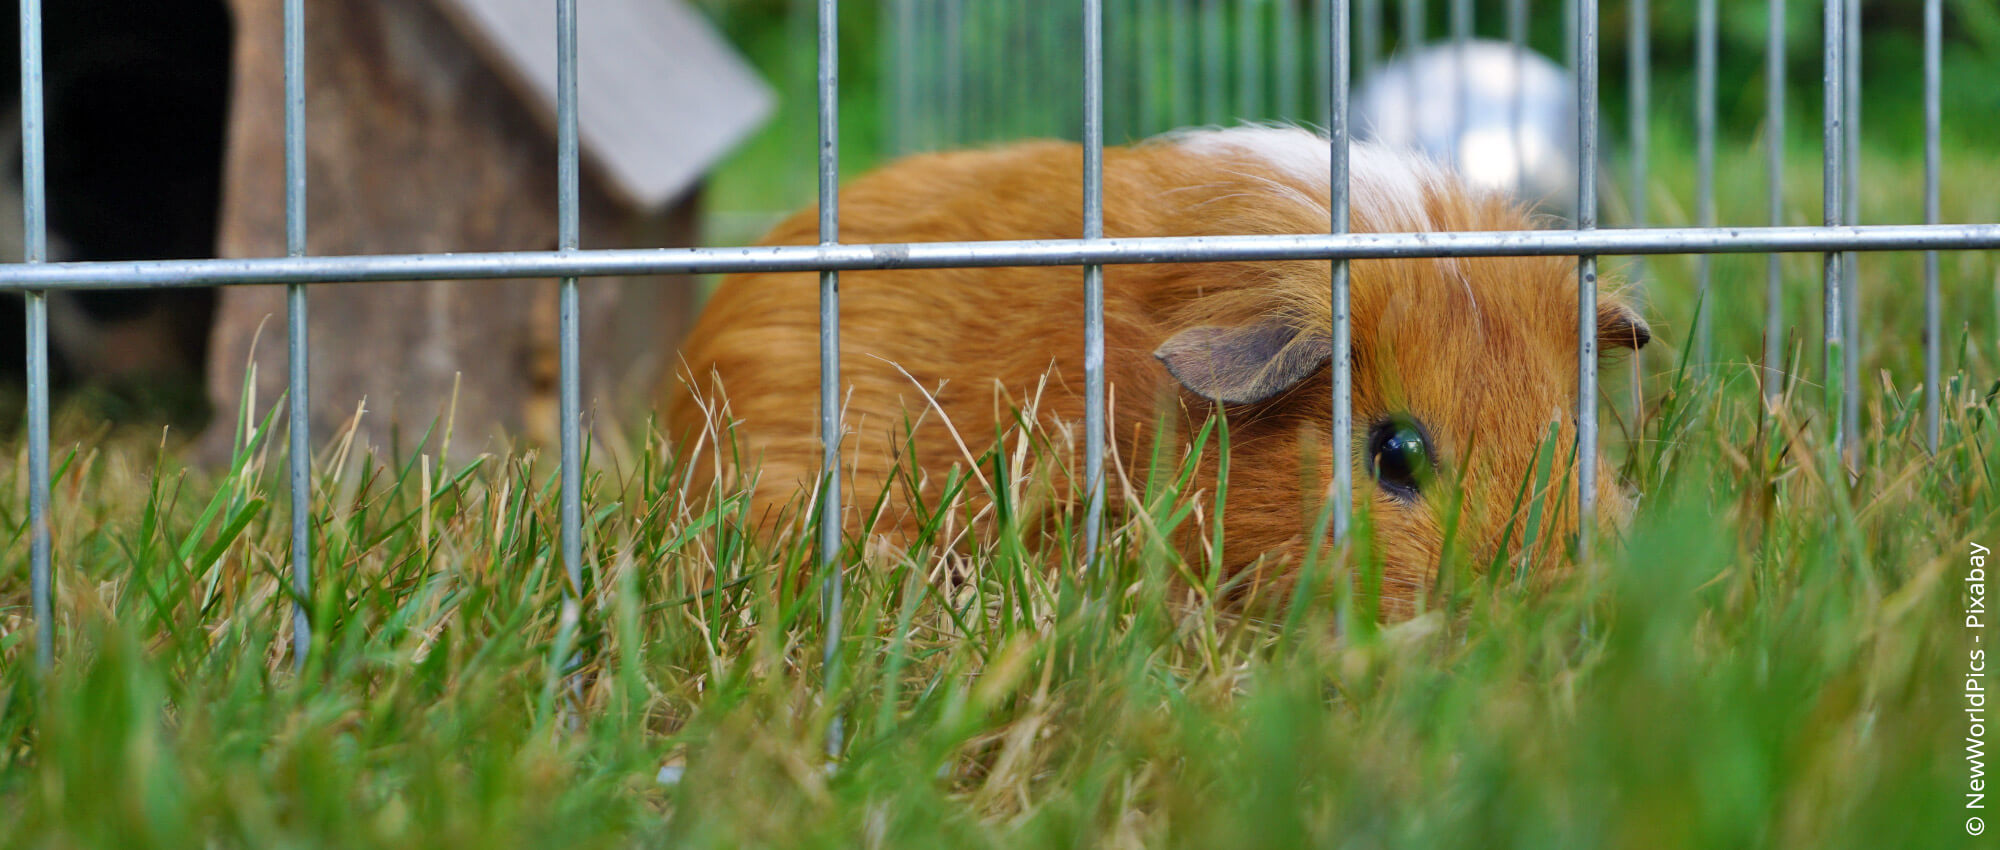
column 1479, row 355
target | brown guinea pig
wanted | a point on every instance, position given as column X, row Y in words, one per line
column 1459, row 365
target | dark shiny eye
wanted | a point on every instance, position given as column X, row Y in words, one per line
column 1399, row 457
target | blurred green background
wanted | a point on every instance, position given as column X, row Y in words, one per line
column 773, row 174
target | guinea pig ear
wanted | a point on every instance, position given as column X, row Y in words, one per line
column 1243, row 365
column 1619, row 326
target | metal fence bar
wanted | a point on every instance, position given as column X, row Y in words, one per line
column 1850, row 410
column 620, row 262
column 1837, row 240
column 1461, row 90
column 953, row 108
column 1213, row 109
column 995, row 57
column 299, row 393
column 1370, row 38
column 1833, row 47
column 1322, row 76
column 1704, row 129
column 1250, row 61
column 1569, row 45
column 35, row 250
column 1639, row 123
column 1181, row 59
column 918, row 112
column 1285, row 29
column 568, row 238
column 1933, row 60
column 1639, row 97
column 1411, row 33
column 1093, row 275
column 903, row 62
column 1517, row 109
column 1411, row 40
column 1146, row 61
column 1339, row 205
column 1134, row 68
column 1042, row 88
column 939, row 79
column 1586, row 274
column 830, row 528
column 1774, row 151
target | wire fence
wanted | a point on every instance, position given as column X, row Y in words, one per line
column 1287, row 67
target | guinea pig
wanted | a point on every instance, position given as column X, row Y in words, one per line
column 1460, row 366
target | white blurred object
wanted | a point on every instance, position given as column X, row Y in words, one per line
column 1511, row 126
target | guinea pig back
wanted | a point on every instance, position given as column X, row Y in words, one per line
column 1460, row 366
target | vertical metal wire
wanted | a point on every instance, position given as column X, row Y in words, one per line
column 915, row 64
column 993, row 47
column 1147, row 63
column 829, row 350
column 896, row 61
column 945, row 79
column 1639, row 123
column 1030, row 22
column 35, row 249
column 1250, row 61
column 1586, row 273
column 1933, row 59
column 1411, row 32
column 1121, row 53
column 1461, row 88
column 1322, row 74
column 1337, row 36
column 1774, row 151
column 1093, row 276
column 1412, row 38
column 1044, row 87
column 1638, row 72
column 1369, row 36
column 1517, row 40
column 887, row 42
column 568, row 237
column 1832, row 141
column 1285, row 28
column 1569, row 47
column 295, row 338
column 953, row 107
column 1181, row 63
column 1213, row 109
column 1850, row 410
column 1704, row 129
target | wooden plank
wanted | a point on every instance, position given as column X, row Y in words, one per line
column 663, row 96
column 416, row 145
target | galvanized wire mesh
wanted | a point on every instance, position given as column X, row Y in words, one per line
column 1149, row 66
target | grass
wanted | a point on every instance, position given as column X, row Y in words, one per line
column 1773, row 657
column 1767, row 660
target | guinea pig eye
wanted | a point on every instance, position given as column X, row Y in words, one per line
column 1399, row 457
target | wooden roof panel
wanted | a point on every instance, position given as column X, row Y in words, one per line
column 662, row 97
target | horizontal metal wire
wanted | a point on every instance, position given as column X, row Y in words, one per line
column 161, row 274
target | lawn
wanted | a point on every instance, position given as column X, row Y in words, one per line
column 1772, row 656
column 1766, row 660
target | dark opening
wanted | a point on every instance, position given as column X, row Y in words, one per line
column 136, row 108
